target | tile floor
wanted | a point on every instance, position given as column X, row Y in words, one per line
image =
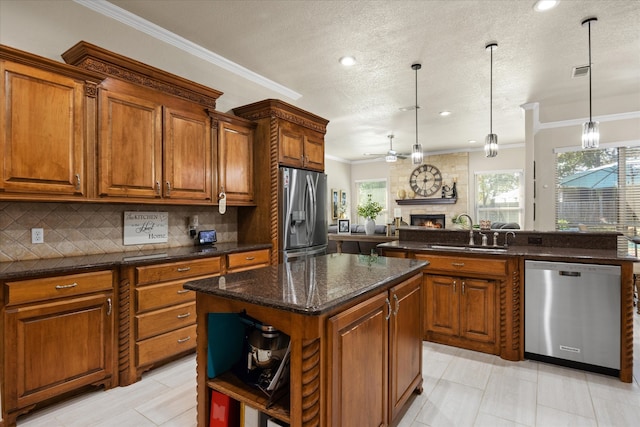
column 461, row 388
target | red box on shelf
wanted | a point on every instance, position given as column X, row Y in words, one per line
column 225, row 411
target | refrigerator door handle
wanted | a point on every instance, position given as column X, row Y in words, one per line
column 311, row 211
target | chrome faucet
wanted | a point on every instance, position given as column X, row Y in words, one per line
column 506, row 238
column 471, row 242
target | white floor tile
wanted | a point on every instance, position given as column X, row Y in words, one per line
column 510, row 398
column 550, row 417
column 451, row 404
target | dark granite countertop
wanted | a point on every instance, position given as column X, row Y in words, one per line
column 550, row 253
column 22, row 269
column 310, row 286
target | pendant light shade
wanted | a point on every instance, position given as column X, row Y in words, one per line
column 491, row 141
column 416, row 151
column 590, row 129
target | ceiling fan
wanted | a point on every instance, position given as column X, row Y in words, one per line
column 391, row 155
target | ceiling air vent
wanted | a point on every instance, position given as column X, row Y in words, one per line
column 580, row 71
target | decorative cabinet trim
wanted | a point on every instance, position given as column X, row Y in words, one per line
column 94, row 58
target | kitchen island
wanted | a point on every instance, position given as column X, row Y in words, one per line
column 355, row 330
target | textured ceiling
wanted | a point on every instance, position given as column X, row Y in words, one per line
column 297, row 44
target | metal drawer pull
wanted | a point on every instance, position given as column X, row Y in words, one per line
column 181, row 340
column 463, row 287
column 71, row 285
column 168, row 188
column 454, row 286
column 78, row 182
column 158, row 188
column 183, row 269
column 182, row 291
column 395, row 298
column 182, row 316
column 109, row 306
column 386, row 300
column 457, row 264
column 250, row 258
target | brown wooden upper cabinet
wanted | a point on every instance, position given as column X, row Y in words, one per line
column 154, row 131
column 235, row 159
column 46, row 127
column 301, row 148
column 150, row 150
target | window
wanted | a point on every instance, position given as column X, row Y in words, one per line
column 378, row 190
column 499, row 196
column 598, row 190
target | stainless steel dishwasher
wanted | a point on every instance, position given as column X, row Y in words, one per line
column 572, row 315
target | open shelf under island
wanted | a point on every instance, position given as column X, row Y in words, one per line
column 333, row 308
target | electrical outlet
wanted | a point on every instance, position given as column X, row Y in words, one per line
column 37, row 235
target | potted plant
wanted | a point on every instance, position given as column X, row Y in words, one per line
column 369, row 210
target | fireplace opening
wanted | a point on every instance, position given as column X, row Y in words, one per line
column 428, row 220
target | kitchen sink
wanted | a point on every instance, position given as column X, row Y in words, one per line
column 469, row 248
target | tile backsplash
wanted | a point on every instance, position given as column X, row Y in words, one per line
column 73, row 229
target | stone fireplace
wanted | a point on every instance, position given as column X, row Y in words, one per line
column 428, row 220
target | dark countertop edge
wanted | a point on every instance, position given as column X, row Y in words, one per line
column 314, row 310
column 528, row 252
column 78, row 264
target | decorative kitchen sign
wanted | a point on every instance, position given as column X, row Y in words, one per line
column 141, row 228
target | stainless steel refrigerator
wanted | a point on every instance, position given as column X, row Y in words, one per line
column 303, row 213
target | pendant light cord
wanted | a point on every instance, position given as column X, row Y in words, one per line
column 491, row 95
column 590, row 72
column 416, row 68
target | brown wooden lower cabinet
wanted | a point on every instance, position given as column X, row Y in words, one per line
column 356, row 365
column 58, row 337
column 461, row 311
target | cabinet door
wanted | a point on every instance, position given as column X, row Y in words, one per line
column 42, row 142
column 187, row 155
column 478, row 310
column 291, row 145
column 314, row 152
column 358, row 372
column 441, row 304
column 52, row 348
column 235, row 162
column 405, row 348
column 129, row 146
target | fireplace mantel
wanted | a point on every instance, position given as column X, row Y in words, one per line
column 432, row 201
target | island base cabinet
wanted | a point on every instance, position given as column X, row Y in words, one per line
column 56, row 347
column 376, row 357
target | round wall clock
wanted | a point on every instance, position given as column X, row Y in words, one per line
column 425, row 180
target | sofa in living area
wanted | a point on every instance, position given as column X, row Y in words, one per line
column 356, row 247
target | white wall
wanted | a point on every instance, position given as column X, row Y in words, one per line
column 339, row 178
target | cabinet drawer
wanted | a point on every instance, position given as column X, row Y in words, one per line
column 166, row 345
column 162, row 295
column 165, row 320
column 58, row 286
column 490, row 266
column 246, row 260
column 177, row 270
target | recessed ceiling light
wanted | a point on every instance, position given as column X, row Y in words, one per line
column 544, row 5
column 445, row 113
column 347, row 61
column 472, row 141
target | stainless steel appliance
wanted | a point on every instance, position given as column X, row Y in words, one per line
column 303, row 213
column 572, row 315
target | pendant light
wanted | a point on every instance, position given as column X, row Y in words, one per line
column 416, row 151
column 491, row 141
column 590, row 129
column 391, row 154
